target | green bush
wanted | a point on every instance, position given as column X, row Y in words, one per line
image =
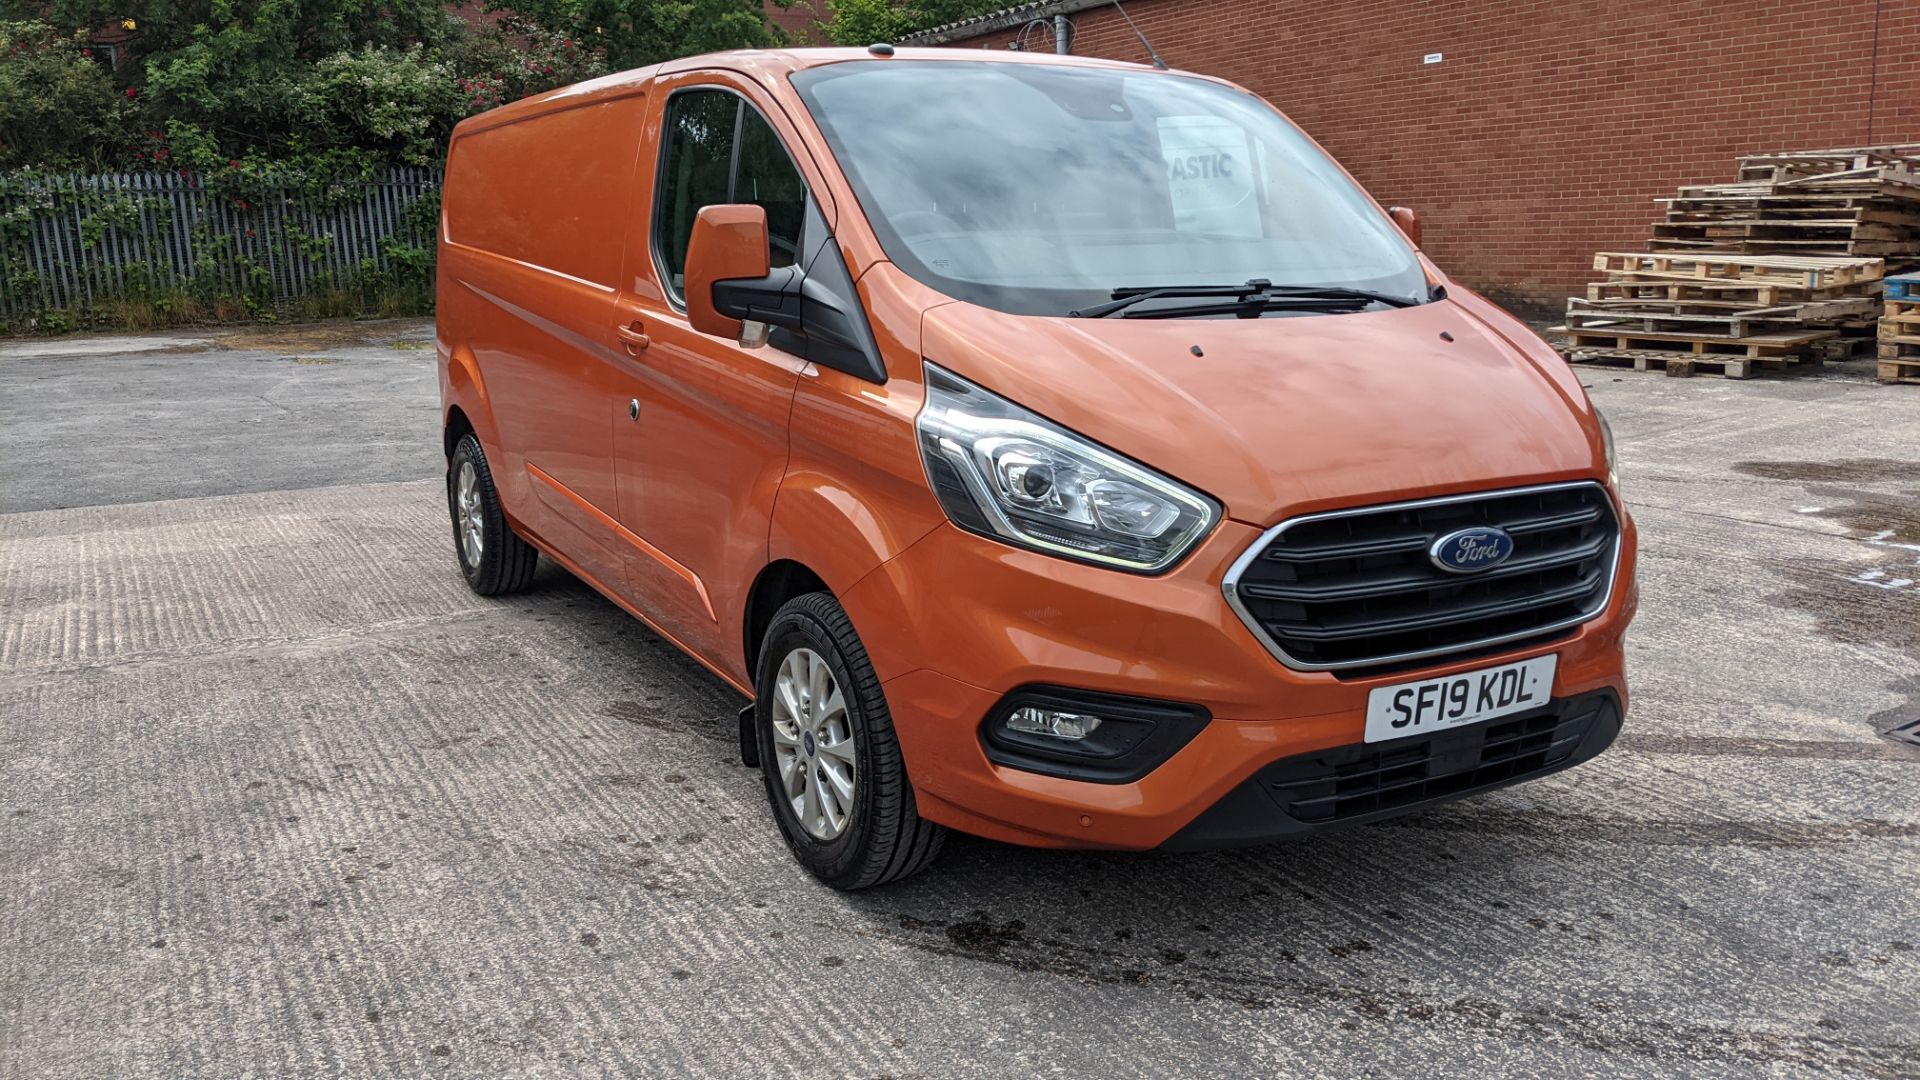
column 58, row 105
column 517, row 59
column 635, row 33
column 203, row 82
column 393, row 102
column 863, row 22
column 273, row 103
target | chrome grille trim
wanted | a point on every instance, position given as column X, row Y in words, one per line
column 1229, row 585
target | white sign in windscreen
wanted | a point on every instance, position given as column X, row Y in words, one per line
column 1209, row 175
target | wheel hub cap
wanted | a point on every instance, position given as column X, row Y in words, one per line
column 813, row 744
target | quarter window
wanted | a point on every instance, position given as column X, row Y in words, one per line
column 719, row 149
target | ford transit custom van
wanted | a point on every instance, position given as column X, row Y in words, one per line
column 1063, row 451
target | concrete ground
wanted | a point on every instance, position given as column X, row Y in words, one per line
column 280, row 797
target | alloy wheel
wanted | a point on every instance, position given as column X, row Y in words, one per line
column 813, row 744
column 466, row 494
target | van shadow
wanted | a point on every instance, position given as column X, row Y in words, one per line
column 1255, row 925
column 1252, row 925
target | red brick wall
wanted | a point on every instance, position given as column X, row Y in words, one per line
column 1549, row 128
column 797, row 18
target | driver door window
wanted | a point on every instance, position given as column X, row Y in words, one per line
column 719, row 149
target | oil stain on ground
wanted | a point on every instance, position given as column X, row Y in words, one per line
column 1847, row 471
column 1850, row 606
column 980, row 937
column 1875, row 607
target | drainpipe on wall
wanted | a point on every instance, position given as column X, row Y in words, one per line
column 1060, row 34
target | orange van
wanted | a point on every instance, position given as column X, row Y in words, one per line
column 1062, row 451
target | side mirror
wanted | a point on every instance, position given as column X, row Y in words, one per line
column 1409, row 221
column 732, row 291
column 729, row 243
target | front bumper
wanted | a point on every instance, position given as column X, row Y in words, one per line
column 956, row 622
column 1355, row 785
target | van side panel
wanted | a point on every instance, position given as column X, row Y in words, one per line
column 535, row 214
column 549, row 191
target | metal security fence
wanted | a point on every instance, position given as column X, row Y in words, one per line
column 78, row 243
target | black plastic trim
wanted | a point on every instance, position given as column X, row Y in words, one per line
column 1431, row 770
column 1174, row 724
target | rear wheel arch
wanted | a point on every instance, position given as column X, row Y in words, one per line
column 457, row 426
column 465, row 395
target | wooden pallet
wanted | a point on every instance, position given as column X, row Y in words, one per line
column 1900, row 371
column 1714, row 311
column 1750, row 195
column 1860, row 184
column 1744, row 228
column 1678, row 364
column 1903, row 314
column 1899, row 331
column 1797, row 271
column 1859, row 249
column 1808, row 164
column 1779, row 212
column 1839, row 350
column 1824, row 218
column 1747, row 293
column 1776, row 345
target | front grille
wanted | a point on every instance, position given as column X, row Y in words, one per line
column 1356, row 588
column 1354, row 781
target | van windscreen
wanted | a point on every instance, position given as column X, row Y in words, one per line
column 1039, row 189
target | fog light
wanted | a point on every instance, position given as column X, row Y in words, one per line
column 1061, row 725
column 1086, row 735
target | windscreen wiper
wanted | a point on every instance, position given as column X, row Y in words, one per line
column 1247, row 301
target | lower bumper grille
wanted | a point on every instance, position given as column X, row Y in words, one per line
column 1359, row 780
column 1352, row 785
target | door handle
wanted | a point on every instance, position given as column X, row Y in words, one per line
column 634, row 335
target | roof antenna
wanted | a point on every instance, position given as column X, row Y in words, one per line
column 1157, row 62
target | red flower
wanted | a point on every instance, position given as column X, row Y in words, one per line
column 249, row 232
column 241, row 203
column 131, row 91
column 183, row 174
column 88, row 53
column 233, row 163
column 160, row 153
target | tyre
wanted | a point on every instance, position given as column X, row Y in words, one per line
column 829, row 755
column 493, row 560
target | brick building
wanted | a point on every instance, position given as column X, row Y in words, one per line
column 1544, row 130
column 797, row 18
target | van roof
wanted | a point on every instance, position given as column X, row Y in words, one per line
column 759, row 64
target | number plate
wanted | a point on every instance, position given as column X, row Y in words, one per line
column 1420, row 708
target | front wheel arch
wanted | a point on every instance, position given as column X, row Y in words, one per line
column 778, row 582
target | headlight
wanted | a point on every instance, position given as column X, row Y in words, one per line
column 1606, row 439
column 1004, row 472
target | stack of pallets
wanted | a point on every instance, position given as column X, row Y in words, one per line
column 1900, row 331
column 1729, row 314
column 1861, row 202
